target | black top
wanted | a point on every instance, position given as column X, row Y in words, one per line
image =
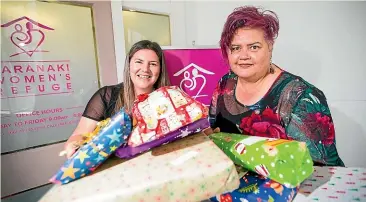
column 102, row 104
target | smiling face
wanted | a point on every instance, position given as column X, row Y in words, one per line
column 144, row 70
column 249, row 53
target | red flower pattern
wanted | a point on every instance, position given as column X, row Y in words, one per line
column 324, row 130
column 266, row 124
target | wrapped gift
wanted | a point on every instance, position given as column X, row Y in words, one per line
column 285, row 161
column 162, row 116
column 189, row 169
column 99, row 145
column 131, row 151
column 254, row 188
column 334, row 184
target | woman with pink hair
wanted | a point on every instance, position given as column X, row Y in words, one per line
column 259, row 98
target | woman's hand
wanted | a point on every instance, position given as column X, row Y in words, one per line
column 85, row 126
column 73, row 144
column 209, row 131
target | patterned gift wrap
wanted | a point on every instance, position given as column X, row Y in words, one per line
column 128, row 151
column 334, row 184
column 254, row 188
column 189, row 169
column 162, row 116
column 284, row 161
column 113, row 133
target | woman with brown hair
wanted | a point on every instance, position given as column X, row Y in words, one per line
column 144, row 72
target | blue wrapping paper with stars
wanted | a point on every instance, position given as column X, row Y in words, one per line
column 89, row 156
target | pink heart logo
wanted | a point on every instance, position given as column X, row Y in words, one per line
column 27, row 41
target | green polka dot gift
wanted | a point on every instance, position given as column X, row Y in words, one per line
column 285, row 161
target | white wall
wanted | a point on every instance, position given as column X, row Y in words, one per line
column 175, row 10
column 321, row 41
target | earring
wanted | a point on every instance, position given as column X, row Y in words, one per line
column 271, row 69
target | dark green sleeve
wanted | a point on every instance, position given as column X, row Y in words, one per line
column 310, row 121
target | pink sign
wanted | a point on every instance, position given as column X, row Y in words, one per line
column 38, row 93
column 196, row 71
column 31, row 77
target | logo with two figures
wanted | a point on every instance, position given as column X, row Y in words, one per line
column 189, row 81
column 26, row 34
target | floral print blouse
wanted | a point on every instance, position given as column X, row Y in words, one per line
column 292, row 109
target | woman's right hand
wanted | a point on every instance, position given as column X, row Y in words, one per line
column 85, row 125
column 73, row 144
